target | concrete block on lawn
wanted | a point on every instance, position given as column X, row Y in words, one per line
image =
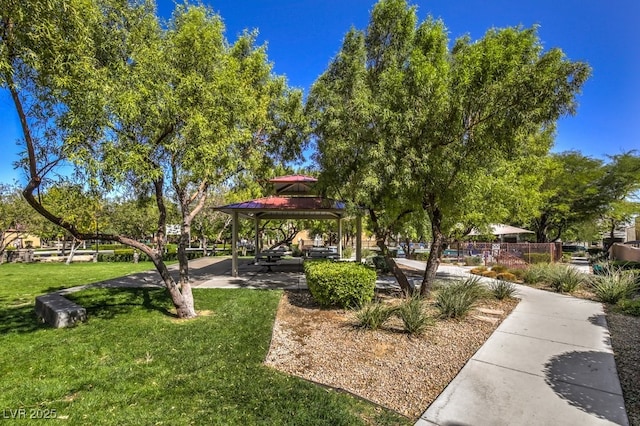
column 59, row 311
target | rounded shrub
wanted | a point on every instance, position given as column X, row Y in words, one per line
column 343, row 284
column 479, row 270
column 489, row 274
column 499, row 269
column 472, row 261
column 506, row 276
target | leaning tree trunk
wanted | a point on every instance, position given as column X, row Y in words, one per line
column 72, row 253
column 433, row 261
column 395, row 269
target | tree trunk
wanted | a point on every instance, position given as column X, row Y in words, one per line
column 74, row 246
column 433, row 261
column 183, row 261
column 395, row 269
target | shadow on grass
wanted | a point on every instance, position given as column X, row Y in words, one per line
column 19, row 319
column 107, row 303
column 99, row 303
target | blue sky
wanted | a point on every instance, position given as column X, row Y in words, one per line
column 303, row 36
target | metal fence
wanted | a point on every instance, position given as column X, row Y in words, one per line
column 512, row 255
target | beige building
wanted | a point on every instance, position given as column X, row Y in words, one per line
column 20, row 239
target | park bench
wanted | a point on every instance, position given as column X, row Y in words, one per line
column 322, row 253
column 58, row 311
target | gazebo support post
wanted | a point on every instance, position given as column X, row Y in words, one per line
column 340, row 238
column 359, row 239
column 234, row 244
column 257, row 234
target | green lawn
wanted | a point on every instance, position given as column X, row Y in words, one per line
column 134, row 363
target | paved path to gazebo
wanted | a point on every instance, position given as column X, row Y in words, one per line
column 549, row 363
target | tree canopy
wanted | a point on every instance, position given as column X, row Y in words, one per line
column 409, row 123
column 130, row 105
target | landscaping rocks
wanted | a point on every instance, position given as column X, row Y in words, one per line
column 385, row 366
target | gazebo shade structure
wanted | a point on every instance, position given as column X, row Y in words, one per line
column 293, row 200
column 502, row 230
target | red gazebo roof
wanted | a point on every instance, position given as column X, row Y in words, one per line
column 279, row 207
column 293, row 184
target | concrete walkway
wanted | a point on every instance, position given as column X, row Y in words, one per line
column 549, row 363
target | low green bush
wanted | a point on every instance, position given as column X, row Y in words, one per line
column 564, row 279
column 479, row 270
column 489, row 274
column 422, row 256
column 502, row 289
column 347, row 252
column 343, row 284
column 507, row 276
column 536, row 273
column 456, row 299
column 566, row 257
column 629, row 307
column 379, row 262
column 613, row 284
column 367, row 252
column 518, row 273
column 472, row 261
column 534, row 258
column 499, row 269
column 414, row 317
column 373, row 315
column 126, row 255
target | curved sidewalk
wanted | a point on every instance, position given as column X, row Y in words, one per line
column 549, row 363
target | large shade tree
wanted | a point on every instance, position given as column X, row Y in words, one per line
column 408, row 123
column 578, row 190
column 127, row 104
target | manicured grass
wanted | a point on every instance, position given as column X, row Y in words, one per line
column 23, row 282
column 133, row 362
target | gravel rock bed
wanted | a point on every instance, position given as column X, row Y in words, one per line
column 385, row 366
column 625, row 339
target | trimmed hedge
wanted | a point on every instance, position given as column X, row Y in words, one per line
column 342, row 284
column 126, row 255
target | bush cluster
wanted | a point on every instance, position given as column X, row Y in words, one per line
column 502, row 289
column 562, row 278
column 500, row 272
column 342, row 284
column 422, row 256
column 374, row 315
column 613, row 284
column 472, row 261
column 411, row 312
column 126, row 255
column 456, row 299
column 629, row 307
column 489, row 274
column 534, row 258
column 507, row 276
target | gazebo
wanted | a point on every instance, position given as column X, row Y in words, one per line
column 293, row 199
column 501, row 231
